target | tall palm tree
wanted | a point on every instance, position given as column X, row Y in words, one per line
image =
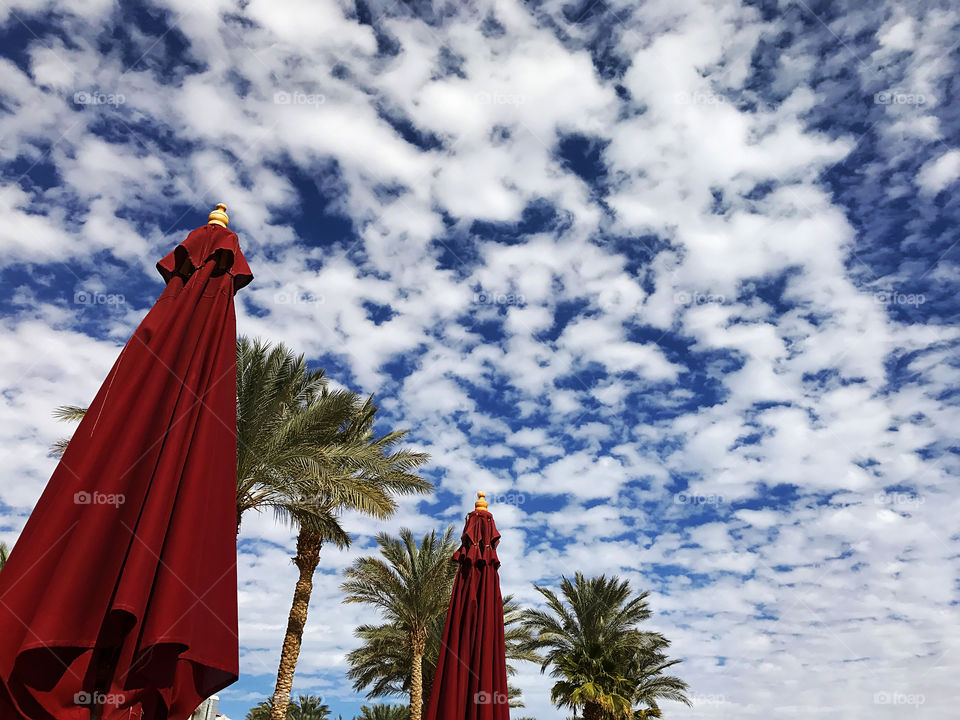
column 410, row 586
column 603, row 663
column 363, row 472
column 384, row 712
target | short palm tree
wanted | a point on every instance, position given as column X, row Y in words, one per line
column 306, row 707
column 382, row 664
column 384, row 712
column 604, row 665
column 261, row 711
column 410, row 585
column 309, row 707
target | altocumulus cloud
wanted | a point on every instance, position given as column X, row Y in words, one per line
column 674, row 281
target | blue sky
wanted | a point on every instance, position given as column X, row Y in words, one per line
column 674, row 283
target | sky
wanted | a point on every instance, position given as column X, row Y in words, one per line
column 673, row 282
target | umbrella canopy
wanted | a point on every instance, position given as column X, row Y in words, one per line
column 470, row 682
column 120, row 597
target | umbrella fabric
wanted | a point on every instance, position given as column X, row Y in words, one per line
column 470, row 682
column 121, row 590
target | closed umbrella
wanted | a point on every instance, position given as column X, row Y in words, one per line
column 119, row 600
column 470, row 682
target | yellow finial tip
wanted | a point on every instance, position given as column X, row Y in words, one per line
column 219, row 216
column 481, row 503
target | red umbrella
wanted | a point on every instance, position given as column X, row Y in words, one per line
column 470, row 682
column 120, row 597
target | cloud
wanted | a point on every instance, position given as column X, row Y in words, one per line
column 939, row 173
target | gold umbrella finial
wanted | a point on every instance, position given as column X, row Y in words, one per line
column 219, row 216
column 481, row 503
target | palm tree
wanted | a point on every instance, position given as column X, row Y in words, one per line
column 4, row 554
column 384, row 659
column 363, row 472
column 384, row 712
column 411, row 587
column 309, row 707
column 306, row 707
column 603, row 664
column 261, row 711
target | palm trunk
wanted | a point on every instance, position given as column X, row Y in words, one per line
column 306, row 560
column 419, row 642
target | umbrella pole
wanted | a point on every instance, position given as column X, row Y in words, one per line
column 104, row 659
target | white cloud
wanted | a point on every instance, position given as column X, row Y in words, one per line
column 939, row 173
